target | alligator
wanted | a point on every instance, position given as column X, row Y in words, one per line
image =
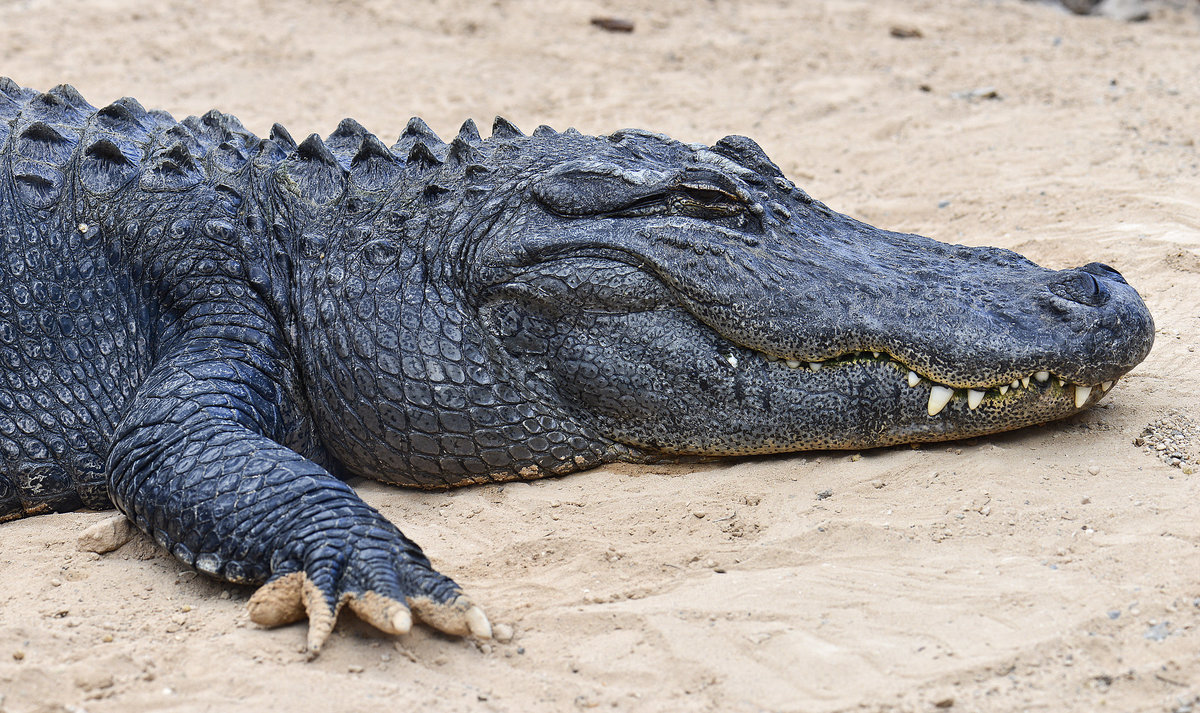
column 211, row 331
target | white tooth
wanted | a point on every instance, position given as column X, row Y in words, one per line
column 913, row 378
column 815, row 365
column 1041, row 375
column 1081, row 395
column 1016, row 384
column 974, row 398
column 1061, row 383
column 939, row 396
column 793, row 364
column 1106, row 385
column 1025, row 381
column 1004, row 389
column 875, row 354
column 732, row 360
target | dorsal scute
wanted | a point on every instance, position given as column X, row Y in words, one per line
column 314, row 171
column 282, row 138
column 422, row 157
column 172, row 167
column 504, row 129
column 57, row 107
column 105, row 149
column 126, row 117
column 40, row 141
column 373, row 165
column 106, row 164
column 418, row 133
column 469, row 133
column 314, row 149
column 462, row 152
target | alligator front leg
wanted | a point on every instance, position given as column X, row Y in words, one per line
column 198, row 465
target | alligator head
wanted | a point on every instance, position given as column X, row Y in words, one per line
column 634, row 297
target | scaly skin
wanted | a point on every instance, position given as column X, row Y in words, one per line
column 208, row 329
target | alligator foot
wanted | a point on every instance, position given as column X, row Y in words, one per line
column 295, row 596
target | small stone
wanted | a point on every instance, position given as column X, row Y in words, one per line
column 107, row 638
column 354, row 668
column 502, row 633
column 699, row 513
column 1085, row 500
column 825, row 494
column 19, row 655
column 856, row 457
column 56, row 583
column 905, row 32
column 877, row 484
column 1094, row 470
column 944, row 703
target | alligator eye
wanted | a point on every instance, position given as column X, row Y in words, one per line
column 1082, row 287
column 706, row 202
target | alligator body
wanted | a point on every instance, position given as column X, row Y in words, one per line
column 208, row 329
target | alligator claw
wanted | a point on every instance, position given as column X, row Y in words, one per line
column 295, row 596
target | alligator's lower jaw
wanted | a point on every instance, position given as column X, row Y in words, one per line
column 942, row 394
column 866, row 401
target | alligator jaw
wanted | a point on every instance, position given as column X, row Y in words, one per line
column 941, row 394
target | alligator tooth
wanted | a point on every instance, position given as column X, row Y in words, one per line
column 1004, row 389
column 1061, row 383
column 815, row 365
column 1106, row 385
column 1025, row 381
column 1081, row 395
column 974, row 398
column 1041, row 375
column 939, row 396
column 732, row 360
column 913, row 378
column 875, row 354
column 1016, row 384
column 792, row 363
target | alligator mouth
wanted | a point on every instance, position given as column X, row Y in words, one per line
column 941, row 394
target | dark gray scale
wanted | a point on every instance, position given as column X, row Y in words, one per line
column 71, row 341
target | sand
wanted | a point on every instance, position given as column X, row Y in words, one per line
column 1051, row 569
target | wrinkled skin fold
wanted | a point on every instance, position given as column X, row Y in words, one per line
column 210, row 330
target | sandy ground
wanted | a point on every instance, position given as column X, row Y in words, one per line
column 1053, row 569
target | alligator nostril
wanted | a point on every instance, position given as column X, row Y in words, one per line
column 1080, row 286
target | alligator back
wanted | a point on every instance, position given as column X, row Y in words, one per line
column 73, row 343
